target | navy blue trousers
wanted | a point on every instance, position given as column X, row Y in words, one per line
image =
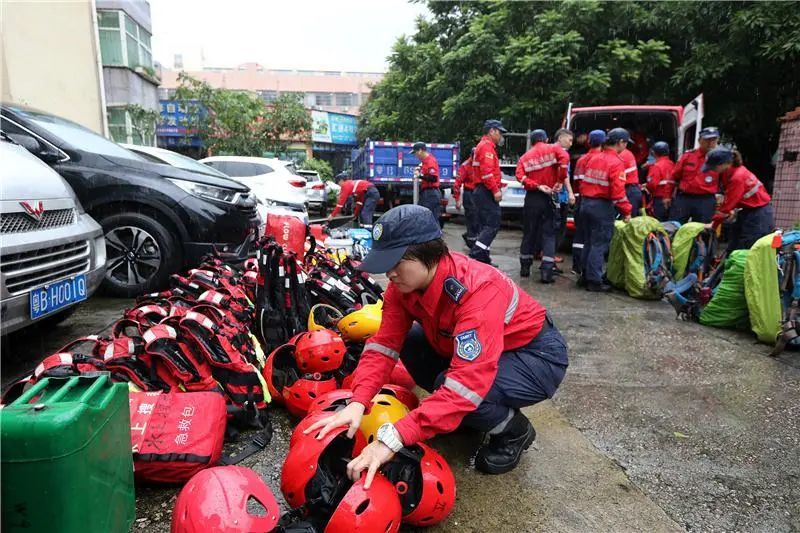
column 659, row 211
column 634, row 194
column 525, row 376
column 750, row 225
column 489, row 216
column 538, row 224
column 597, row 221
column 698, row 207
column 371, row 198
column 578, row 239
column 470, row 214
column 432, row 200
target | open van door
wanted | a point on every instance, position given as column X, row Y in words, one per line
column 692, row 123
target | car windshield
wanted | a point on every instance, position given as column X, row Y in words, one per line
column 187, row 163
column 76, row 135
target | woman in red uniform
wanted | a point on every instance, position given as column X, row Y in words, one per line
column 482, row 346
column 743, row 192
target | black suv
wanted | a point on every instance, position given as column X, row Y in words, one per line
column 156, row 218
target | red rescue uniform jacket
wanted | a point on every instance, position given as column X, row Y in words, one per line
column 742, row 190
column 604, row 177
column 689, row 176
column 486, row 166
column 543, row 164
column 659, row 178
column 350, row 187
column 580, row 167
column 464, row 178
column 471, row 313
column 631, row 170
column 429, row 173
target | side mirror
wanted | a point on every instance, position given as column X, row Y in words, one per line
column 27, row 142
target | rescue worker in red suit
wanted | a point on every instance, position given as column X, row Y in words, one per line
column 632, row 188
column 695, row 197
column 542, row 171
column 596, row 139
column 487, row 194
column 366, row 199
column 659, row 180
column 482, row 346
column 466, row 179
column 744, row 193
column 602, row 190
column 430, row 196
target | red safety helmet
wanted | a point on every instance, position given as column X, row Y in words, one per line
column 300, row 480
column 216, row 499
column 298, row 395
column 425, row 484
column 400, row 376
column 408, row 398
column 376, row 509
column 279, row 369
column 320, row 351
column 331, row 401
column 312, row 418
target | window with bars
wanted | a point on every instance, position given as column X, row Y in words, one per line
column 123, row 42
column 323, row 99
column 345, row 99
column 268, row 96
column 120, row 126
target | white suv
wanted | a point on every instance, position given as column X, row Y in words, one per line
column 274, row 182
column 53, row 255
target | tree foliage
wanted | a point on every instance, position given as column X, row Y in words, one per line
column 238, row 122
column 524, row 61
column 322, row 167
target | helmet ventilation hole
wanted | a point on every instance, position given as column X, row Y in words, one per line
column 389, row 526
column 362, row 506
column 384, row 402
column 255, row 507
column 440, row 487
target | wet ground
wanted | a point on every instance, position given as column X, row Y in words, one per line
column 660, row 425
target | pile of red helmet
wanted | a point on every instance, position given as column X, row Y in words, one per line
column 416, row 487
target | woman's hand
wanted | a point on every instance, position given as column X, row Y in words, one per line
column 371, row 459
column 349, row 417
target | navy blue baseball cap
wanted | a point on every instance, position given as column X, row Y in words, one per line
column 661, row 148
column 418, row 147
column 716, row 157
column 709, row 133
column 618, row 134
column 597, row 137
column 394, row 232
column 539, row 135
column 494, row 123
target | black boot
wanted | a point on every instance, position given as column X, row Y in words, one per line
column 598, row 287
column 525, row 269
column 547, row 275
column 504, row 450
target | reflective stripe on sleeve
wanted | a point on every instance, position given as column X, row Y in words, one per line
column 752, row 191
column 380, row 348
column 463, row 391
column 512, row 307
column 595, row 181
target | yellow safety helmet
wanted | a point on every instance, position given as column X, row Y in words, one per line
column 362, row 324
column 323, row 316
column 385, row 408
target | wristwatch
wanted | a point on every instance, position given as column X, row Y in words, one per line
column 388, row 435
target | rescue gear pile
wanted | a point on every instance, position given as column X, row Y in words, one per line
column 694, row 250
column 640, row 259
column 727, row 307
column 339, row 284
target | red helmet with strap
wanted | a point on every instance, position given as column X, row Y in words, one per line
column 297, row 396
column 331, row 401
column 216, row 499
column 320, row 351
column 316, row 416
column 279, row 368
column 366, row 510
column 425, row 484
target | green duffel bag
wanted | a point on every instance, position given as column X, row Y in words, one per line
column 615, row 266
column 688, row 244
column 626, row 261
column 728, row 305
column 761, row 290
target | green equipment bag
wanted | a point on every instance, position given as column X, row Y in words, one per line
column 626, row 260
column 761, row 290
column 728, row 305
column 683, row 243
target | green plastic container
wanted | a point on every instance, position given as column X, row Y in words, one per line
column 66, row 458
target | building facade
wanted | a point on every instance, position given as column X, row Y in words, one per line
column 130, row 77
column 51, row 60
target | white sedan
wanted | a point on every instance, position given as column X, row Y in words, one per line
column 513, row 195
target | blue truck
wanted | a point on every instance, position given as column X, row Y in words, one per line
column 390, row 167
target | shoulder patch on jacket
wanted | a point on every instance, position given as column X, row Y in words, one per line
column 454, row 289
column 468, row 347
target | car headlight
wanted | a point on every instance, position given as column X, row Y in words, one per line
column 209, row 192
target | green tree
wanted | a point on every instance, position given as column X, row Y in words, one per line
column 143, row 122
column 322, row 167
column 238, row 122
column 524, row 61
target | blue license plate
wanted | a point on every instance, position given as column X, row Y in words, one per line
column 518, row 192
column 58, row 295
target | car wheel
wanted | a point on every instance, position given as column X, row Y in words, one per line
column 142, row 254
